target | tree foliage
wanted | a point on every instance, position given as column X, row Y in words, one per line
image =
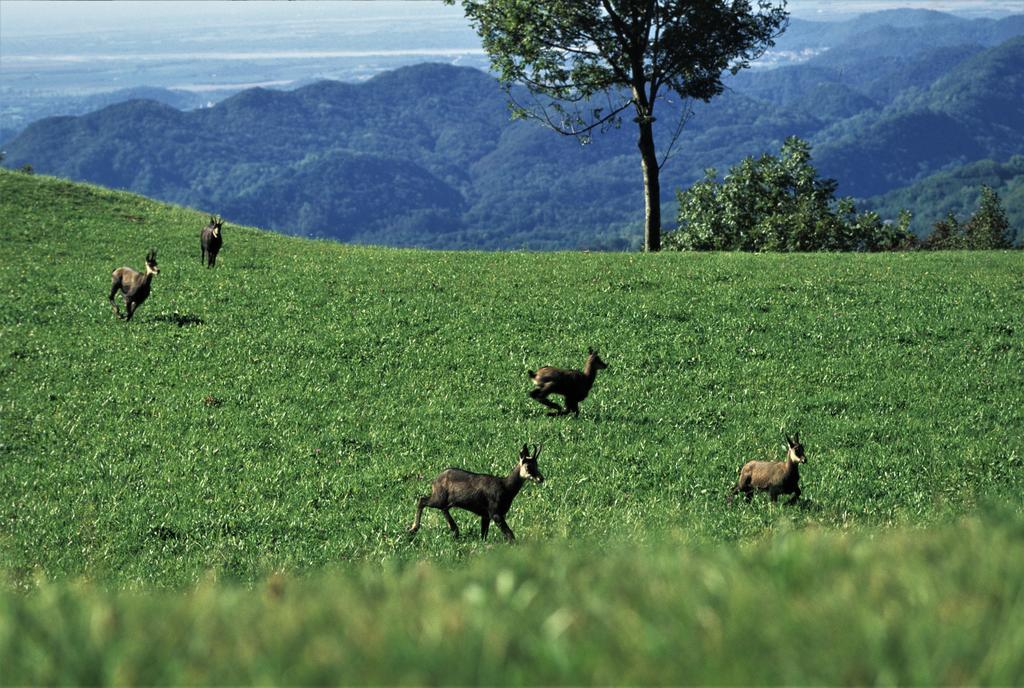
column 779, row 204
column 586, row 62
column 988, row 229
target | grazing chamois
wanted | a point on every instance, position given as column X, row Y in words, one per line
column 134, row 285
column 775, row 477
column 210, row 241
column 574, row 385
column 487, row 496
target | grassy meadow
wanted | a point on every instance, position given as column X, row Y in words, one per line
column 267, row 425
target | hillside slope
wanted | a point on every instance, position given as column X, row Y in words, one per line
column 218, row 491
column 284, row 410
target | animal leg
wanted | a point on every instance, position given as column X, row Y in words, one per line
column 541, row 395
column 420, row 504
column 130, row 308
column 202, row 254
column 213, row 259
column 452, row 525
column 774, row 495
column 485, row 524
column 113, row 291
column 572, row 406
column 795, row 497
column 499, row 520
column 742, row 485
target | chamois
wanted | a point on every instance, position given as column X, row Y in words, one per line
column 574, row 385
column 134, row 285
column 210, row 241
column 775, row 477
column 487, row 496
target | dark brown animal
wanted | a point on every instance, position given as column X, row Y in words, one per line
column 210, row 241
column 774, row 477
column 573, row 385
column 487, row 496
column 134, row 285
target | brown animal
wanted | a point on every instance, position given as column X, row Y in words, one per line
column 573, row 385
column 210, row 241
column 775, row 477
column 487, row 496
column 134, row 285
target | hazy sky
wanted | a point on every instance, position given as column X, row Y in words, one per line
column 27, row 17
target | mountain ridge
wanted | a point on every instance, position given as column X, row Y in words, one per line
column 442, row 166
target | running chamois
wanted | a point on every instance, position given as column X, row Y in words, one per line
column 774, row 477
column 134, row 285
column 210, row 241
column 573, row 385
column 487, row 496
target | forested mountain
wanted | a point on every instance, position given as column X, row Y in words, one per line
column 974, row 112
column 427, row 155
column 423, row 155
column 958, row 191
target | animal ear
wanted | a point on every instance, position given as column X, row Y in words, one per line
column 789, row 441
column 524, row 452
column 796, row 439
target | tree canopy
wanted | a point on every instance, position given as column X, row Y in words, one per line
column 584, row 63
column 779, row 204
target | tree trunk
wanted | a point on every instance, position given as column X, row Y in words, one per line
column 652, row 185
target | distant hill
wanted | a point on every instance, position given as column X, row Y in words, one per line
column 958, row 191
column 427, row 156
column 974, row 112
column 423, row 156
column 16, row 115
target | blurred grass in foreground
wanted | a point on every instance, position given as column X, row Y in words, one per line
column 908, row 606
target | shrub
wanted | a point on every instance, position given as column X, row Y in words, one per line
column 779, row 204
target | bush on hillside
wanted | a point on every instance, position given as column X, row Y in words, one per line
column 779, row 204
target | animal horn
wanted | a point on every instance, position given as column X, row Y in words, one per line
column 536, row 450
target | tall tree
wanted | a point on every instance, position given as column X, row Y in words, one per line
column 989, row 227
column 586, row 62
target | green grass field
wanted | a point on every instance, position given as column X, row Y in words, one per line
column 277, row 417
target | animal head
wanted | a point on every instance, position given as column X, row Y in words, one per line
column 796, row 450
column 216, row 223
column 528, row 464
column 151, row 266
column 594, row 360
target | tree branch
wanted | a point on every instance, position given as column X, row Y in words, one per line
column 540, row 112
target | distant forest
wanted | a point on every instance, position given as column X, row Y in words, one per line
column 905, row 109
